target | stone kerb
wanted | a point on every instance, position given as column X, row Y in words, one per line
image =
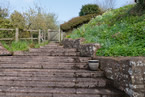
column 128, row 74
column 86, row 50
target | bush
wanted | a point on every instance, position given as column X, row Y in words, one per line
column 90, row 9
column 76, row 22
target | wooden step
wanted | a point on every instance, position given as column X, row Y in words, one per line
column 51, row 50
column 43, row 65
column 58, row 91
column 52, row 54
column 50, row 73
column 42, row 59
column 77, row 83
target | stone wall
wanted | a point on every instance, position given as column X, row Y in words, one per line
column 128, row 74
column 86, row 50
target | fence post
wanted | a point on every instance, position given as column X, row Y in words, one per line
column 31, row 36
column 48, row 34
column 44, row 35
column 39, row 36
column 62, row 36
column 17, row 35
column 59, row 34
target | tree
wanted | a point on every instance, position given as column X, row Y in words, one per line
column 140, row 2
column 38, row 19
column 3, row 12
column 90, row 9
column 17, row 19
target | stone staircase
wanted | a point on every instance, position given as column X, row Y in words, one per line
column 52, row 71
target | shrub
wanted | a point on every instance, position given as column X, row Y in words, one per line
column 76, row 22
column 90, row 9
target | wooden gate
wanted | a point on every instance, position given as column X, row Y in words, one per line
column 54, row 35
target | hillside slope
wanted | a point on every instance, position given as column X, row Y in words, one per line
column 119, row 32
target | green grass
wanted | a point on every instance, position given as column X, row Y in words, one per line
column 22, row 45
column 119, row 32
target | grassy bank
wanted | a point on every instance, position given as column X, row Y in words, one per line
column 121, row 32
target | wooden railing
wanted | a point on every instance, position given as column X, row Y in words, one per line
column 42, row 35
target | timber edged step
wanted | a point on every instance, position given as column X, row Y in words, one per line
column 52, row 71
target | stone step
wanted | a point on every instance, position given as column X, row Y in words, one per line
column 58, row 92
column 43, row 65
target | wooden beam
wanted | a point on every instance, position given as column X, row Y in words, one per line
column 32, row 30
column 29, row 38
column 3, row 29
column 6, row 38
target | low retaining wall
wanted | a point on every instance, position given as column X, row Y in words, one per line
column 86, row 50
column 128, row 74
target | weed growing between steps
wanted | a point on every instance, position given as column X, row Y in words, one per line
column 22, row 45
column 119, row 31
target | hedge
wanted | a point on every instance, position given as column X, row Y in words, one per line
column 76, row 22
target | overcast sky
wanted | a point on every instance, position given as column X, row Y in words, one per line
column 64, row 9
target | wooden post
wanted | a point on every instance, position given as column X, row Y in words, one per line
column 59, row 34
column 39, row 36
column 17, row 35
column 48, row 34
column 31, row 36
column 44, row 36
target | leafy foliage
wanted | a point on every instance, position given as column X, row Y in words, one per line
column 90, row 9
column 76, row 22
column 18, row 20
column 119, row 33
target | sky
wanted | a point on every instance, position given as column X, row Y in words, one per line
column 64, row 9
